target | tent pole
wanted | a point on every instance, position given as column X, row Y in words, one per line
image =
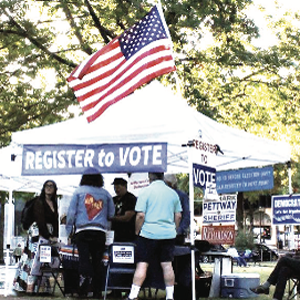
column 290, row 177
column 10, row 224
column 192, row 225
column 292, row 238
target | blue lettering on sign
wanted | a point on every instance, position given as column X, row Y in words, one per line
column 108, row 158
column 245, row 180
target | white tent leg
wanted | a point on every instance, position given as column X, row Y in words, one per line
column 290, row 177
column 192, row 225
column 292, row 237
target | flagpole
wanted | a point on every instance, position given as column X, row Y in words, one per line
column 159, row 7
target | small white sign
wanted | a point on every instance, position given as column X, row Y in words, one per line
column 211, row 192
column 123, row 254
column 45, row 254
column 110, row 234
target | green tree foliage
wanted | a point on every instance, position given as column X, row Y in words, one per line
column 221, row 73
column 244, row 240
column 41, row 42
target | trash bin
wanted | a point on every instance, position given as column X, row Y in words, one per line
column 202, row 284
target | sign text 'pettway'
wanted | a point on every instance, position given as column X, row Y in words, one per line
column 220, row 211
column 108, row 158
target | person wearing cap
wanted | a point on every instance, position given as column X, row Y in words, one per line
column 171, row 181
column 90, row 210
column 158, row 215
column 123, row 223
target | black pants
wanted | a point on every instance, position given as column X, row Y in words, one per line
column 91, row 245
column 286, row 268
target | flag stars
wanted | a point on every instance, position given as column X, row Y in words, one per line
column 142, row 33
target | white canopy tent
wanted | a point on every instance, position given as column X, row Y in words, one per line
column 155, row 114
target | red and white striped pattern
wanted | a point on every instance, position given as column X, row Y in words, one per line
column 107, row 76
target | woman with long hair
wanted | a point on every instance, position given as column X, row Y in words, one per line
column 43, row 231
column 88, row 216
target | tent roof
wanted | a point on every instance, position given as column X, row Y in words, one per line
column 155, row 114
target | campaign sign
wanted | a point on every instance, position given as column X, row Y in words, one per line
column 286, row 210
column 245, row 180
column 45, row 254
column 203, row 176
column 219, row 234
column 220, row 211
column 204, row 153
column 107, row 158
column 123, row 254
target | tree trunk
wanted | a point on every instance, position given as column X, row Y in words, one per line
column 240, row 210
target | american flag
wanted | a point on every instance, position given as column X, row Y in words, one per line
column 140, row 54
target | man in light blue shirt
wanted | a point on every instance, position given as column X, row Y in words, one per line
column 158, row 216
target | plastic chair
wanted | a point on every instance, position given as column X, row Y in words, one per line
column 121, row 267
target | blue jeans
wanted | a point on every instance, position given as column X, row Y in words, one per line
column 241, row 261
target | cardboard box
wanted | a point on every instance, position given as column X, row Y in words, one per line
column 237, row 285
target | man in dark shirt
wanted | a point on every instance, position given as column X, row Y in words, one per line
column 123, row 223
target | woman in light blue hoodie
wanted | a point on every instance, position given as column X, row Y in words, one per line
column 88, row 216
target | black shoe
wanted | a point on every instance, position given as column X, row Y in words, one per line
column 260, row 290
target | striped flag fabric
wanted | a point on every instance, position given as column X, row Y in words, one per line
column 140, row 54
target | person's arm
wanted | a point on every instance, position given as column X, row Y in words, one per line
column 129, row 214
column 185, row 220
column 71, row 215
column 177, row 219
column 139, row 221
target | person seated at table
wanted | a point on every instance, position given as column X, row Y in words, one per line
column 286, row 267
column 123, row 222
column 249, row 255
column 235, row 255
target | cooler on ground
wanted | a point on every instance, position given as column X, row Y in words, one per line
column 237, row 285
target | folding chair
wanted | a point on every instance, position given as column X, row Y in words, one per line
column 50, row 266
column 293, row 288
column 121, row 267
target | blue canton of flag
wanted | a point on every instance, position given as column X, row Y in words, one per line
column 142, row 33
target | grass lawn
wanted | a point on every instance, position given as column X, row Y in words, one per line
column 264, row 269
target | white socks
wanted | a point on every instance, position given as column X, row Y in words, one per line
column 134, row 292
column 135, row 289
column 169, row 292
